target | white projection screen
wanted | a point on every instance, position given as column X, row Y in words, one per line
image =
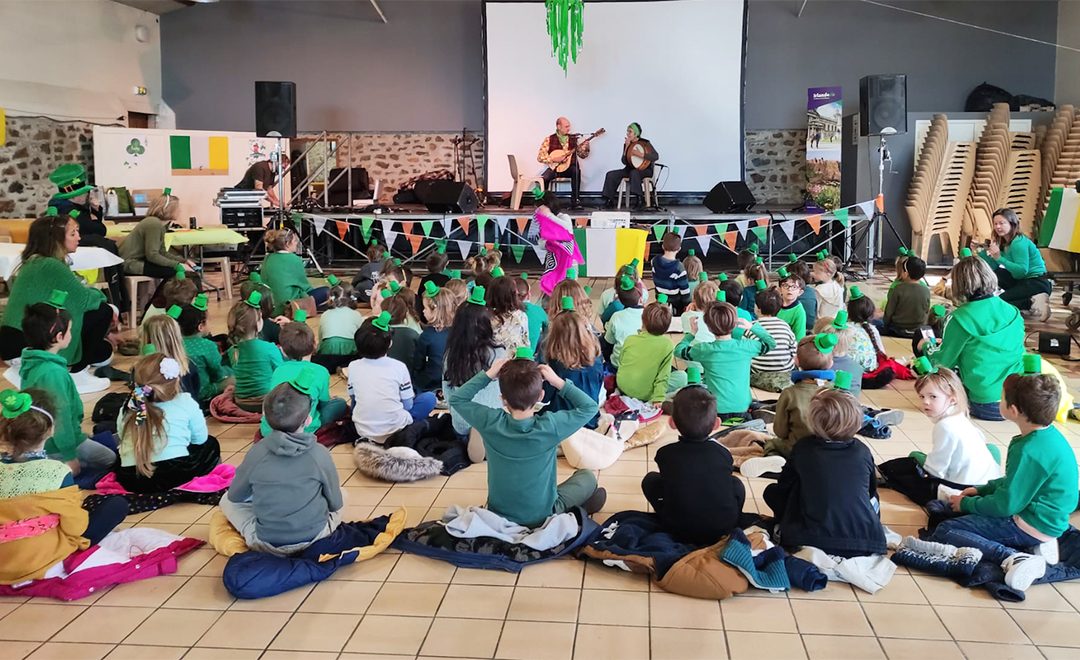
column 673, row 66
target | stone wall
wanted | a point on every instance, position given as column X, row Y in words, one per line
column 776, row 165
column 34, row 147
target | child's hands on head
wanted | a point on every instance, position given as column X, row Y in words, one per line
column 743, row 323
column 495, row 368
column 549, row 375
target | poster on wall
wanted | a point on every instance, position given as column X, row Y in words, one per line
column 824, row 109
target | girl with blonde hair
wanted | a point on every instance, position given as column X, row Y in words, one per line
column 572, row 351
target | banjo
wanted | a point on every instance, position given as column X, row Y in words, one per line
column 561, row 159
column 635, row 155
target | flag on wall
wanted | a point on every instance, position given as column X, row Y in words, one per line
column 199, row 155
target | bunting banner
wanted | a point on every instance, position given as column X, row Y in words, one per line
column 464, row 247
column 502, row 221
column 390, row 237
column 730, row 238
column 789, row 228
column 320, row 224
column 762, row 221
column 867, row 208
column 704, row 241
column 680, row 230
column 721, row 228
column 406, row 226
column 518, row 251
column 742, row 226
column 366, row 223
column 481, row 223
column 815, row 223
column 760, row 232
column 387, row 228
column 522, row 225
column 702, row 230
column 659, row 231
column 841, row 216
column 426, row 226
column 540, row 252
column 343, row 229
column 446, row 226
column 463, row 222
column 415, row 240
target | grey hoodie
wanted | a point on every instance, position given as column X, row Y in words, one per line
column 292, row 484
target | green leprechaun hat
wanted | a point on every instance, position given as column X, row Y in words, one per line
column 693, row 376
column 783, row 273
column 430, row 289
column 201, row 302
column 703, row 277
column 840, row 321
column 842, row 380
column 760, row 285
column 965, row 253
column 854, row 293
column 567, row 304
column 722, row 277
column 57, row 298
column 792, row 258
column 70, row 181
column 174, row 312
column 523, row 353
column 382, row 321
column 1032, row 364
column 923, row 366
column 825, row 342
column 938, row 311
column 332, row 280
column 477, row 296
column 626, row 283
column 497, row 271
column 15, row 403
column 300, row 316
column 254, row 299
column 662, row 298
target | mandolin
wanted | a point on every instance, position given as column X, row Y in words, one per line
column 561, row 159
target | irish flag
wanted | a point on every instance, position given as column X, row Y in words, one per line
column 199, row 155
column 1060, row 229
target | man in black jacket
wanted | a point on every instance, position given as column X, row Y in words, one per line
column 628, row 171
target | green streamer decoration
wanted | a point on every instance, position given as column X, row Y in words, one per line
column 565, row 24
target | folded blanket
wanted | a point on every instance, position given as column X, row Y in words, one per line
column 477, row 522
column 217, row 480
column 224, row 409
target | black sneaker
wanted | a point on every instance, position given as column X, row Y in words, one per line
column 115, row 375
column 596, row 501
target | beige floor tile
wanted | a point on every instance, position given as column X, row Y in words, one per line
column 836, row 647
column 943, row 591
column 1070, row 591
column 297, row 655
column 37, row 623
column 674, row 644
column 214, row 567
column 414, row 568
column 989, row 651
column 615, row 608
column 1044, row 628
column 557, row 573
column 176, row 513
column 340, row 597
column 598, row 576
column 758, row 615
column 222, row 654
column 411, row 498
column 375, row 569
column 173, row 627
column 17, row 650
column 244, row 630
column 832, row 591
column 484, row 577
column 755, row 646
column 364, row 495
column 67, row 651
column 286, row 602
column 538, row 604
column 674, row 611
column 461, row 497
column 594, row 642
column 190, row 563
column 465, row 601
column 1059, row 653
column 618, row 484
column 103, row 624
column 144, row 593
column 407, row 599
column 830, row 617
column 536, row 640
column 316, row 632
column 201, row 593
column 389, row 634
column 904, row 621
column 901, row 589
column 136, row 652
column 989, row 626
column 471, row 638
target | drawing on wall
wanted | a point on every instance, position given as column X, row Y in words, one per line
column 199, row 155
column 258, row 151
column 134, row 150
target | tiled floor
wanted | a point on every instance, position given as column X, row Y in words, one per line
column 399, row 606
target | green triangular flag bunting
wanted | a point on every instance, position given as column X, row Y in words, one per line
column 659, row 231
column 481, row 222
column 721, row 228
column 518, row 251
column 842, row 216
column 426, row 226
column 365, row 227
column 440, row 244
column 760, row 232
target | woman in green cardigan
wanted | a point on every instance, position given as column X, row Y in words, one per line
column 283, row 271
column 44, row 268
column 1019, row 267
column 983, row 339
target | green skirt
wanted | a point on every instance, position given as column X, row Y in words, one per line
column 337, row 346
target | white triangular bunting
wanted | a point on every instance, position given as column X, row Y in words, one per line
column 387, row 225
column 680, row 230
column 541, row 253
column 867, row 208
column 319, row 222
column 742, row 225
column 390, row 236
column 464, row 246
column 502, row 221
column 704, row 242
column 446, row 226
column 789, row 228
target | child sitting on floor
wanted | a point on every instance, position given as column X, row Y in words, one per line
column 908, row 302
column 337, row 327
column 254, row 360
column 669, row 276
column 731, row 292
column 746, row 257
column 161, row 334
column 582, row 304
column 695, row 270
column 623, row 323
column 645, row 371
column 270, row 328
column 368, row 275
column 403, row 336
column 726, row 360
column 511, row 325
column 959, row 457
column 704, row 295
column 163, row 437
column 827, row 287
column 772, row 371
column 521, row 446
column 792, row 310
column 1027, row 510
column 202, row 353
column 537, row 317
column 177, row 291
column 808, row 296
column 845, row 336
column 439, row 311
column 696, row 497
column 759, row 283
column 573, row 353
column 826, row 496
column 381, row 390
column 609, row 298
column 866, row 343
column 470, row 349
column 286, row 494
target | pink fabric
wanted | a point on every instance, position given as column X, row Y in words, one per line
column 28, row 527
column 224, row 409
column 218, row 479
column 561, row 247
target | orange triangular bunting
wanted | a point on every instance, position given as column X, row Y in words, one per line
column 815, row 223
column 415, row 241
column 406, row 226
column 581, row 222
column 702, row 230
column 762, row 222
column 522, row 223
column 489, row 246
column 463, row 222
column 730, row 238
column 342, row 228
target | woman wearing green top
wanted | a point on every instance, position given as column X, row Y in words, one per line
column 283, row 271
column 1019, row 267
column 144, row 251
column 45, row 268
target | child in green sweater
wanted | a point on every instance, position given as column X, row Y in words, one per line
column 283, row 271
column 792, row 311
column 521, row 445
column 203, row 354
column 297, row 342
column 645, row 373
column 1015, row 521
column 47, row 328
column 726, row 360
column 253, row 360
column 623, row 323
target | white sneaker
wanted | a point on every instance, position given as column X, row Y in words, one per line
column 944, row 492
column 87, row 383
column 1022, row 569
column 892, row 539
column 104, row 363
column 12, row 376
column 1048, row 551
column 755, row 467
column 1040, row 307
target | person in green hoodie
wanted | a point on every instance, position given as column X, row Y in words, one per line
column 47, row 327
column 1015, row 521
column 283, row 271
column 983, row 340
column 1019, row 266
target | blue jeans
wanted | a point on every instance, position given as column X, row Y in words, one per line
column 320, row 295
column 422, row 406
column 998, row 538
column 989, row 412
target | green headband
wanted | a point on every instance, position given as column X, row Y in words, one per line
column 525, row 276
column 537, row 193
column 382, row 321
column 691, row 252
column 823, row 255
column 430, row 289
column 842, row 380
column 567, row 304
column 201, row 302
column 825, row 342
column 476, row 297
column 174, row 312
column 903, row 251
column 571, row 273
column 923, row 366
column 840, row 321
column 57, row 298
column 703, row 277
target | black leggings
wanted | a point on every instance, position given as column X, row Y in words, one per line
column 908, row 478
column 201, row 459
column 1018, row 292
column 95, row 348
column 109, row 513
column 164, row 273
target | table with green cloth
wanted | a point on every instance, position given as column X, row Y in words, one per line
column 200, row 237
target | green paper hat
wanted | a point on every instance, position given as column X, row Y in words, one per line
column 332, row 280
column 70, row 181
column 626, row 283
column 1032, row 364
column 497, row 271
column 903, row 251
column 923, row 366
column 753, row 247
column 179, row 272
column 149, row 349
column 759, row 260
column 537, row 193
column 691, row 252
column 825, row 342
column 174, row 312
column 693, row 376
column 201, row 302
column 840, row 320
column 523, row 353
column 588, row 290
column 57, row 298
column 842, row 380
column 454, row 274
column 965, row 253
column 382, row 321
column 386, row 293
column 662, row 298
column 430, row 289
column 300, row 316
column 760, row 285
column 394, row 286
column 783, row 273
column 254, row 299
column 477, row 295
column 721, row 296
column 495, row 245
column 703, row 277
column 792, row 258
column 397, row 261
column 525, row 276
column 166, row 192
column 15, row 403
column 441, row 248
column 305, row 382
column 567, row 304
column 571, row 273
column 386, row 254
column 822, row 255
column 939, row 311
column 74, row 214
column 635, row 262
column 52, row 212
column 854, row 293
column 255, row 277
column 483, row 252
column 722, row 277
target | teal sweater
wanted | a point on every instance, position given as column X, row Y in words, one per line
column 795, row 316
column 538, row 320
column 521, row 453
column 47, row 371
column 254, row 367
column 727, row 365
column 1039, row 484
column 1020, row 257
column 984, row 341
column 284, row 273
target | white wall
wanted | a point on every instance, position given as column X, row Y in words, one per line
column 81, row 44
column 1067, row 78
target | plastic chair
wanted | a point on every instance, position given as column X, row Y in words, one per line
column 522, row 182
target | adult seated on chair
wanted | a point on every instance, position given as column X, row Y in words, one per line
column 1019, row 266
column 983, row 340
column 628, row 171
column 144, row 252
column 283, row 271
column 45, row 268
column 562, row 140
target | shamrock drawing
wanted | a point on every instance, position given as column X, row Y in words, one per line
column 135, row 148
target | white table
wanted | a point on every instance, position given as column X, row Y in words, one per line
column 84, row 258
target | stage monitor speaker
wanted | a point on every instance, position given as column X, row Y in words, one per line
column 883, row 104
column 730, row 197
column 275, row 109
column 447, row 196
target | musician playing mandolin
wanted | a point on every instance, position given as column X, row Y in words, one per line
column 637, row 159
column 556, row 149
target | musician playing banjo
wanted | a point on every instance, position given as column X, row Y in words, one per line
column 559, row 150
column 637, row 159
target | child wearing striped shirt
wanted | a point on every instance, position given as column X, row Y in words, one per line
column 771, row 371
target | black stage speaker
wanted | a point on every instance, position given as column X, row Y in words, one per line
column 447, row 196
column 275, row 109
column 730, row 197
column 882, row 103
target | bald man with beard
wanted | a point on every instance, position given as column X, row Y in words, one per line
column 562, row 139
